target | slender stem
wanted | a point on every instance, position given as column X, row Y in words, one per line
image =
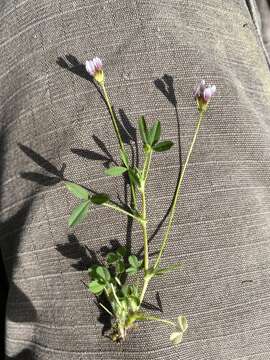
column 145, row 236
column 145, row 285
column 177, row 192
column 107, row 310
column 115, row 296
column 118, row 208
column 154, row 318
column 147, row 165
column 120, row 140
column 121, row 144
column 118, row 281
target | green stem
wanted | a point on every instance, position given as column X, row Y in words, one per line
column 119, row 209
column 146, row 167
column 120, row 140
column 177, row 192
column 115, row 296
column 147, row 164
column 108, row 102
column 145, row 236
column 107, row 310
column 154, row 318
column 145, row 285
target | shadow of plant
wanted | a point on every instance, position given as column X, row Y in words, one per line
column 11, row 230
column 26, row 354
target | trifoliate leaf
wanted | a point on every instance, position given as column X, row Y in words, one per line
column 112, row 257
column 182, row 323
column 163, row 145
column 96, row 287
column 176, row 337
column 103, row 273
column 77, row 190
column 99, row 199
column 134, row 262
column 78, row 213
column 115, row 171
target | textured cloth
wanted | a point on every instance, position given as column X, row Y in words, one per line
column 53, row 121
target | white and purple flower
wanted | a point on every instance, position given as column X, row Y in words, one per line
column 94, row 68
column 203, row 94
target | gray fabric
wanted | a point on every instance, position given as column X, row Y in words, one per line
column 222, row 224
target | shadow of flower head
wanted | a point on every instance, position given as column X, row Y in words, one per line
column 165, row 85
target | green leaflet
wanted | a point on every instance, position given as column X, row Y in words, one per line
column 124, row 157
column 134, row 262
column 103, row 273
column 77, row 190
column 99, row 199
column 162, row 271
column 163, row 145
column 115, row 171
column 154, row 133
column 79, row 213
column 176, row 337
column 112, row 258
column 134, row 176
column 96, row 287
column 143, row 130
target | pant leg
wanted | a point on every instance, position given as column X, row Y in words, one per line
column 50, row 113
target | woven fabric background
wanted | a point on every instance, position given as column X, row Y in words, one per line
column 154, row 53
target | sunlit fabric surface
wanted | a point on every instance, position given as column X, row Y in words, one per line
column 54, row 125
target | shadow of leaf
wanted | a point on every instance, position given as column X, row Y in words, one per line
column 89, row 154
column 74, row 250
column 103, row 147
column 40, row 179
column 41, row 161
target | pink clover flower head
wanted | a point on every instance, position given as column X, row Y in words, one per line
column 203, row 94
column 94, row 67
